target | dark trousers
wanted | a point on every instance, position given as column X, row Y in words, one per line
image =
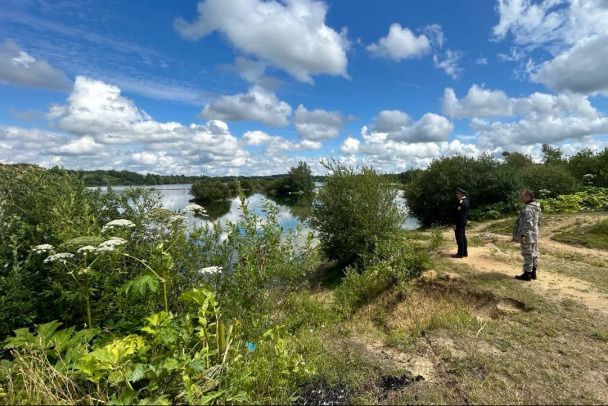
column 461, row 239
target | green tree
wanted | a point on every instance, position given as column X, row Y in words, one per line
column 552, row 154
column 209, row 189
column 355, row 213
column 492, row 186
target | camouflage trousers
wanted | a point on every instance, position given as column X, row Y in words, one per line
column 530, row 254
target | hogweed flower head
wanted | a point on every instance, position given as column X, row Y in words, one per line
column 60, row 257
column 39, row 249
column 195, row 209
column 119, row 223
column 86, row 249
column 111, row 244
column 211, row 270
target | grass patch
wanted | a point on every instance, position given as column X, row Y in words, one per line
column 594, row 236
column 501, row 227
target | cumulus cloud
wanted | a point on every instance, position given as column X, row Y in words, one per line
column 401, row 43
column 391, row 121
column 144, row 158
column 20, row 68
column 275, row 145
column 478, row 102
column 398, row 126
column 318, row 125
column 81, row 147
column 391, row 155
column 580, row 69
column 292, row 36
column 255, row 138
column 350, row 146
column 574, row 32
column 258, row 104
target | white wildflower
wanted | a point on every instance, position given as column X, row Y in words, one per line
column 117, row 223
column 60, row 257
column 86, row 249
column 195, row 209
column 211, row 270
column 99, row 250
column 177, row 218
column 589, row 176
column 110, row 244
column 39, row 249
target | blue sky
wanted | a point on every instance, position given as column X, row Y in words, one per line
column 248, row 87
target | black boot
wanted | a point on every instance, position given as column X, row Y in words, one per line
column 533, row 273
column 524, row 276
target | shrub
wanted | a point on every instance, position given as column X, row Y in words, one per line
column 209, row 190
column 354, row 213
column 550, row 180
column 431, row 195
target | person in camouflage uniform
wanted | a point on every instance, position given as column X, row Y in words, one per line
column 526, row 232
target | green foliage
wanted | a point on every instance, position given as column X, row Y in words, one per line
column 549, row 180
column 298, row 181
column 354, row 213
column 194, row 358
column 491, row 186
column 397, row 263
column 209, row 190
column 592, row 198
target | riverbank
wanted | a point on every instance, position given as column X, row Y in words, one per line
column 469, row 333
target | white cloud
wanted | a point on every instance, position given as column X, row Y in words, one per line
column 388, row 155
column 401, row 43
column 291, row 35
column 449, row 64
column 318, row 125
column 435, row 35
column 20, row 68
column 431, row 127
column 581, row 69
column 350, row 146
column 258, row 104
column 275, row 145
column 398, row 126
column 574, row 32
column 255, row 138
column 144, row 158
column 481, row 61
column 97, row 109
column 81, row 147
column 250, row 70
column 478, row 102
column 391, row 121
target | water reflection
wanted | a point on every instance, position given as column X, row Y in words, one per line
column 291, row 208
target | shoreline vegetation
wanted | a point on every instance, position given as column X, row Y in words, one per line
column 110, row 298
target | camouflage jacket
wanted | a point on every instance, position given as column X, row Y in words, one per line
column 528, row 223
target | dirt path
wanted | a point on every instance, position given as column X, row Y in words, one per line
column 551, row 285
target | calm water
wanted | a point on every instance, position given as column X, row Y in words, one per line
column 176, row 197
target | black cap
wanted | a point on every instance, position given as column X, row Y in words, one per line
column 464, row 192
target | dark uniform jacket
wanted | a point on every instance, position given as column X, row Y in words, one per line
column 461, row 212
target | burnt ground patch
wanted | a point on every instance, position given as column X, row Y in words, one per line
column 321, row 393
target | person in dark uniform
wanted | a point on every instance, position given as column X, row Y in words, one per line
column 459, row 222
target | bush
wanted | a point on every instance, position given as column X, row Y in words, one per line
column 209, row 190
column 550, row 180
column 354, row 213
column 431, row 195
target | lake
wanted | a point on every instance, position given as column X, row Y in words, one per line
column 176, row 197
